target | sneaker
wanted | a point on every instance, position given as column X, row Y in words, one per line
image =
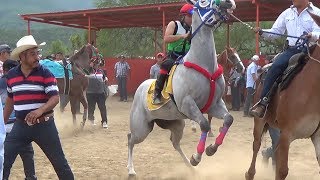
column 92, row 122
column 105, row 125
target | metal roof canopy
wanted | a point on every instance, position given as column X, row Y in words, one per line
column 149, row 15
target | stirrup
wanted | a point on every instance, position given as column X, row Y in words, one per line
column 156, row 101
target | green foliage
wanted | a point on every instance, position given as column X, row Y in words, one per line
column 76, row 41
column 57, row 46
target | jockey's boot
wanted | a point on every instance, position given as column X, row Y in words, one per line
column 259, row 109
column 158, row 88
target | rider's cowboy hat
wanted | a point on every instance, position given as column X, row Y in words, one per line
column 25, row 43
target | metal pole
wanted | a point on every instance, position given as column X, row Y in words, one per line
column 257, row 25
column 29, row 30
column 89, row 29
column 163, row 31
column 155, row 42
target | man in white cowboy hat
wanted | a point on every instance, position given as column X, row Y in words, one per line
column 33, row 100
column 252, row 76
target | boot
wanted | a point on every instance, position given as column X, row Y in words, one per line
column 258, row 111
column 158, row 88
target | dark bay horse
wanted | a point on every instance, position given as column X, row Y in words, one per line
column 295, row 111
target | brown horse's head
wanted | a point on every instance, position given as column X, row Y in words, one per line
column 85, row 58
column 230, row 58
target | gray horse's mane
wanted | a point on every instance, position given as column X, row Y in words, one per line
column 78, row 54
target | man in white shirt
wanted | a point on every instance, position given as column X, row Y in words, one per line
column 252, row 76
column 295, row 21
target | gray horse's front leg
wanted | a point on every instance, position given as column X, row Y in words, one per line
column 220, row 111
column 191, row 110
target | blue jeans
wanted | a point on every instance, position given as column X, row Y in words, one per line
column 46, row 136
column 26, row 153
column 277, row 68
column 122, row 86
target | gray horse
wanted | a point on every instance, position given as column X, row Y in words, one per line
column 191, row 89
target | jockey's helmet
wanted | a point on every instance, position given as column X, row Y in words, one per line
column 186, row 9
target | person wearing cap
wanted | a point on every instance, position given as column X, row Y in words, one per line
column 26, row 153
column 33, row 100
column 155, row 69
column 252, row 76
column 294, row 21
column 5, row 51
column 177, row 36
column 122, row 73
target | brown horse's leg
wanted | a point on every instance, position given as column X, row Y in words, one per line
column 257, row 134
column 84, row 103
column 210, row 134
column 316, row 143
column 282, row 156
column 73, row 108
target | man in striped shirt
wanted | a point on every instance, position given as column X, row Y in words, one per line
column 33, row 93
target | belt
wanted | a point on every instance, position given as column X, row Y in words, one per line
column 41, row 119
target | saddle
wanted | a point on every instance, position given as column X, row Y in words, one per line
column 296, row 64
column 167, row 92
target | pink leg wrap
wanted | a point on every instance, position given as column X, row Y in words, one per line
column 202, row 143
column 221, row 136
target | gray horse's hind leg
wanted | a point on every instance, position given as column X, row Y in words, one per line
column 140, row 129
column 176, row 127
column 220, row 111
column 191, row 110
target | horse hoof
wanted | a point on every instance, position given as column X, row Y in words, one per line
column 248, row 177
column 82, row 125
column 132, row 173
column 211, row 150
column 193, row 161
column 210, row 134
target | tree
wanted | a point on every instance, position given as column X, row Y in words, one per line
column 57, row 46
column 76, row 41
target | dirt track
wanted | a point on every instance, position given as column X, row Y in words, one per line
column 97, row 153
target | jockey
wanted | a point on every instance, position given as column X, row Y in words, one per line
column 177, row 36
column 295, row 20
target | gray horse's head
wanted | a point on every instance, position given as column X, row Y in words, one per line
column 213, row 12
column 84, row 59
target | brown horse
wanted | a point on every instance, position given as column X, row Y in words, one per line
column 80, row 67
column 226, row 59
column 295, row 111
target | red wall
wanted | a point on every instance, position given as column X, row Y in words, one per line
column 140, row 71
